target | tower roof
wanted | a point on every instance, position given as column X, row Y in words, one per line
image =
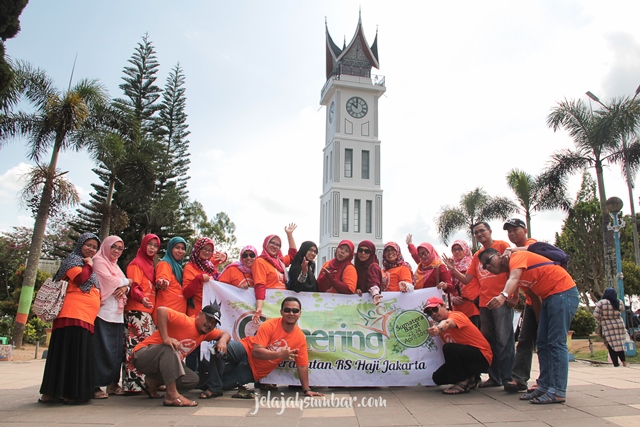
column 356, row 58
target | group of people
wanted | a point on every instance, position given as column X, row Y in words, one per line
column 129, row 325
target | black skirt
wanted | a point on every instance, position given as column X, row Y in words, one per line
column 68, row 372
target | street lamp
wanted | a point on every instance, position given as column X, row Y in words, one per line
column 614, row 206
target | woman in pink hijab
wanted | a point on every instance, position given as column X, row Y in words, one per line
column 109, row 325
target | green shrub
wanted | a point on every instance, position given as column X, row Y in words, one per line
column 583, row 323
column 6, row 327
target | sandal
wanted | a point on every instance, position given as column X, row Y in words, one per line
column 180, row 401
column 49, row 399
column 547, row 398
column 489, row 383
column 208, row 394
column 150, row 391
column 514, row 387
column 115, row 389
column 99, row 394
column 458, row 388
column 533, row 387
column 534, row 394
column 244, row 393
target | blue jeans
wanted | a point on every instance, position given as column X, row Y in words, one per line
column 555, row 318
column 526, row 345
column 227, row 372
column 497, row 327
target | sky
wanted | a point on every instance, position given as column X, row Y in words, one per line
column 469, row 87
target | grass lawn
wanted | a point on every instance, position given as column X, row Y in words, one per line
column 580, row 349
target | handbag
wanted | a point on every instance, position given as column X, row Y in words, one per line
column 49, row 300
column 599, row 330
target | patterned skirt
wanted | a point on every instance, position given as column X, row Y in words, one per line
column 138, row 326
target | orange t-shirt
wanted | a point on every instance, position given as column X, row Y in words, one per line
column 172, row 296
column 266, row 274
column 392, row 277
column 349, row 277
column 235, row 277
column 182, row 328
column 190, row 274
column 544, row 280
column 136, row 274
column 527, row 297
column 490, row 284
column 272, row 336
column 77, row 304
column 467, row 334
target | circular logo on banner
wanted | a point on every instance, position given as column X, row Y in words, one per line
column 245, row 327
column 410, row 328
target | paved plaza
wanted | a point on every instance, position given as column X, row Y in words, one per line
column 598, row 395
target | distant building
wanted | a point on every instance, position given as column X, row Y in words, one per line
column 351, row 202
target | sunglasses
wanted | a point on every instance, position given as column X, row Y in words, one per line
column 291, row 310
column 486, row 262
column 364, row 250
column 431, row 311
column 248, row 255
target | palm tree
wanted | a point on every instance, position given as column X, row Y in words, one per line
column 596, row 144
column 474, row 206
column 624, row 115
column 57, row 123
column 532, row 197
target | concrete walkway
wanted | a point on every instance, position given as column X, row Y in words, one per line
column 598, row 395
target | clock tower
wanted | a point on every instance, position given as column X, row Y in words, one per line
column 351, row 202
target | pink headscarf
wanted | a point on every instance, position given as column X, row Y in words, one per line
column 238, row 264
column 278, row 260
column 108, row 272
column 424, row 270
column 462, row 264
column 143, row 260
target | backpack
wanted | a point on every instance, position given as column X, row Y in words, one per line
column 547, row 250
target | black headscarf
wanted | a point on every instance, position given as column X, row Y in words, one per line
column 611, row 295
column 75, row 260
column 310, row 285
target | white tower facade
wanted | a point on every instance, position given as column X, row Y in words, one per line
column 351, row 202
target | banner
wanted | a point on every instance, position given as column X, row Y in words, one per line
column 351, row 341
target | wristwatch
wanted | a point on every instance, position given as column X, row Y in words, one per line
column 504, row 294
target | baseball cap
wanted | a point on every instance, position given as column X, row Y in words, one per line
column 515, row 222
column 433, row 302
column 212, row 311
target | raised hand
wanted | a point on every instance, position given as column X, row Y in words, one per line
column 290, row 228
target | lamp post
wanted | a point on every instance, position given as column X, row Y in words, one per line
column 614, row 205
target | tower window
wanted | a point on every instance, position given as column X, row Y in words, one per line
column 345, row 215
column 365, row 164
column 368, row 216
column 348, row 163
column 356, row 216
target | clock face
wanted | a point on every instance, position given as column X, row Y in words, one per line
column 357, row 107
column 332, row 112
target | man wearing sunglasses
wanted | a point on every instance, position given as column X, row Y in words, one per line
column 497, row 324
column 554, row 297
column 253, row 358
column 466, row 352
